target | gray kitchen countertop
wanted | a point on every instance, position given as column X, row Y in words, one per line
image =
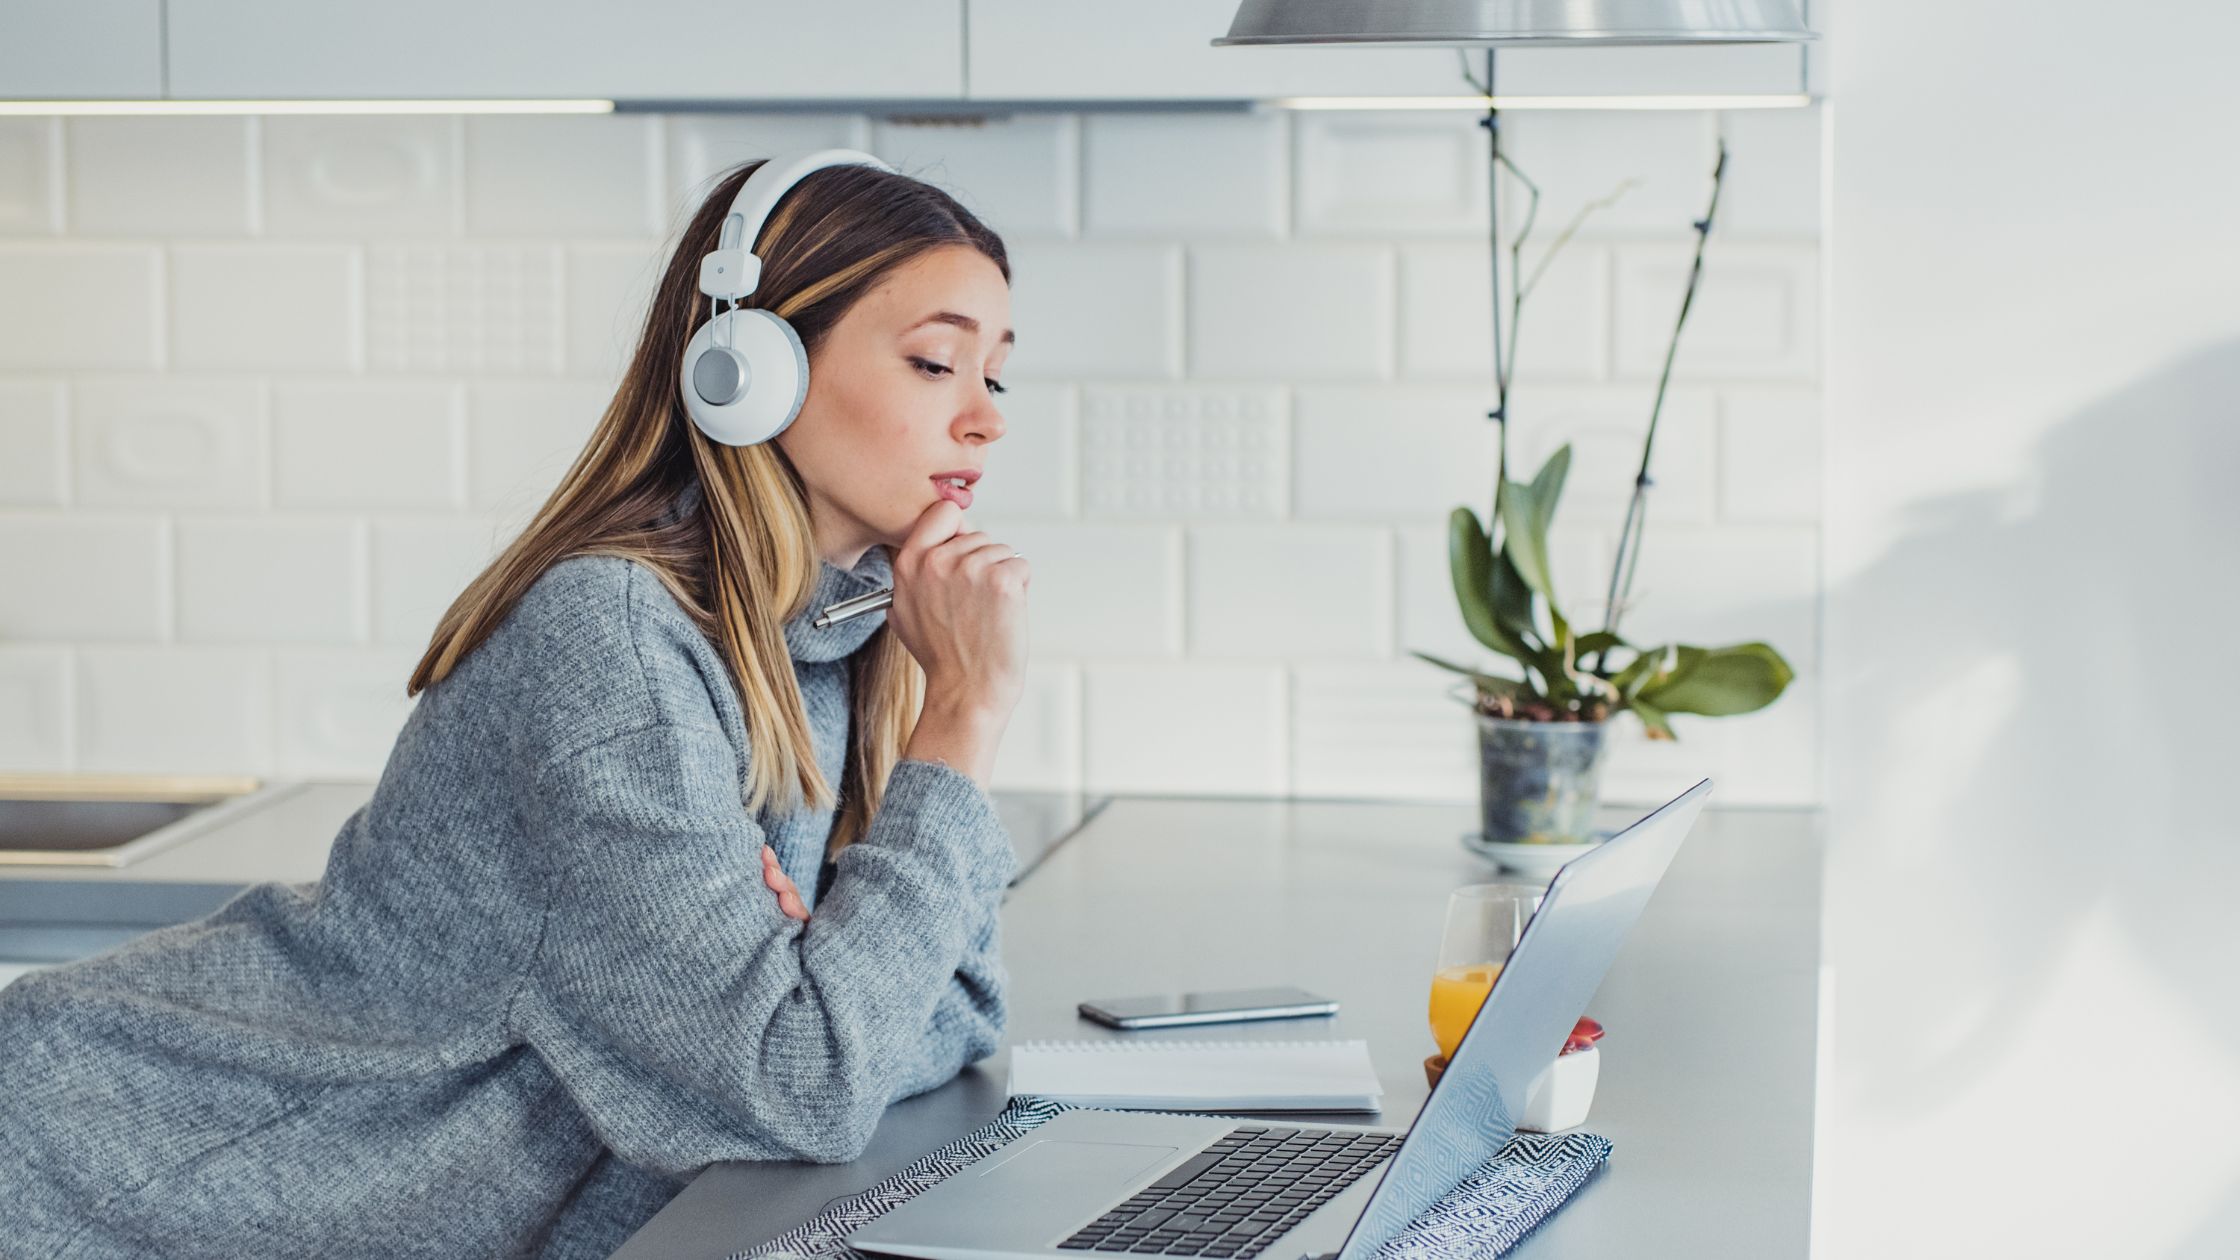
column 1712, row 1009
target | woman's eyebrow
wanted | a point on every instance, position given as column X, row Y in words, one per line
column 966, row 322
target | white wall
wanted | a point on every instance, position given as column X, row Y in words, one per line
column 2034, row 378
column 271, row 389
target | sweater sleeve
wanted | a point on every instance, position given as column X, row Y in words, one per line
column 967, row 1023
column 691, row 1006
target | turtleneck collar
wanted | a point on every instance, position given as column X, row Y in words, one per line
column 804, row 641
column 872, row 572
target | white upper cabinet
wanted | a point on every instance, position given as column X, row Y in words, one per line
column 1162, row 50
column 81, row 49
column 646, row 50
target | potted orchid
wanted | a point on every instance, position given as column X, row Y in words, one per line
column 1540, row 734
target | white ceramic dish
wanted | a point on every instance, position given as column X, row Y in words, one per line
column 1533, row 859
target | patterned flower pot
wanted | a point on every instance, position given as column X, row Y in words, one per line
column 1538, row 781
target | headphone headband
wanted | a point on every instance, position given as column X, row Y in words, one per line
column 734, row 270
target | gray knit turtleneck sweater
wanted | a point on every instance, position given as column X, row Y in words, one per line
column 540, row 984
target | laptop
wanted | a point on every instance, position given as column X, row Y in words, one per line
column 1089, row 1183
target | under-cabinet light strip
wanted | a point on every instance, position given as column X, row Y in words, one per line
column 309, row 107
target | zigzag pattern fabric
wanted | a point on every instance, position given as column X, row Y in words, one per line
column 1483, row 1216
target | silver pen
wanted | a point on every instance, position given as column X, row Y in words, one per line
column 862, row 604
column 856, row 607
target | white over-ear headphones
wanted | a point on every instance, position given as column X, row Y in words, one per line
column 745, row 373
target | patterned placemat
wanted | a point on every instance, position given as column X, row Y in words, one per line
column 1483, row 1216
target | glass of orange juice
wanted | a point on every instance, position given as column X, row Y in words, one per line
column 1484, row 923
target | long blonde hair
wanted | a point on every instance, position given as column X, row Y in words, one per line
column 743, row 561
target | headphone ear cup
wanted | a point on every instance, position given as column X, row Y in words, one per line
column 744, row 376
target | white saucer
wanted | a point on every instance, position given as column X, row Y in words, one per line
column 1535, row 859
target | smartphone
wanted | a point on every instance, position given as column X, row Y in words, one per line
column 1224, row 1007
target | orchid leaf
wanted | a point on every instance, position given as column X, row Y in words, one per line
column 1653, row 720
column 1720, row 682
column 1470, row 559
column 1527, row 511
column 1489, row 684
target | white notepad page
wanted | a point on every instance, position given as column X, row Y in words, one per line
column 1200, row 1075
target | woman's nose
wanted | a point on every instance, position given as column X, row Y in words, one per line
column 983, row 420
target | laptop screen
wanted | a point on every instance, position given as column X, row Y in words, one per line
column 1557, row 965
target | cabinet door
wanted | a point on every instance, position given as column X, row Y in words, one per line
column 647, row 50
column 81, row 49
column 1162, row 50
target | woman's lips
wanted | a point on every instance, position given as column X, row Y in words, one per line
column 953, row 492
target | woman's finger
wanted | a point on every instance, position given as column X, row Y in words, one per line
column 789, row 896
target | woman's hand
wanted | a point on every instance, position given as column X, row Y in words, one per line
column 789, row 897
column 960, row 607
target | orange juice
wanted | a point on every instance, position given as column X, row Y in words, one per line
column 1456, row 995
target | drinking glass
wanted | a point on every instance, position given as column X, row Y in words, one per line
column 1484, row 923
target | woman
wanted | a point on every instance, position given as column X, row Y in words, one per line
column 658, row 873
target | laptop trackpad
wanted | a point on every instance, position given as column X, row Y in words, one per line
column 1072, row 1167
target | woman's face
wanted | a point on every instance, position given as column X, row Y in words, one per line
column 900, row 393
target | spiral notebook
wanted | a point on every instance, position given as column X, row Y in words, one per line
column 1199, row 1075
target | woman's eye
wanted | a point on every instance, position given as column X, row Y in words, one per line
column 937, row 370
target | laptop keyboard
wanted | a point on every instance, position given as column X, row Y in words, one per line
column 1237, row 1195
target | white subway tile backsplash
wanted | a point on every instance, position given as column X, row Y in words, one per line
column 275, row 308
column 1098, row 590
column 1605, row 425
column 266, row 579
column 30, row 176
column 349, row 175
column 34, row 445
column 368, row 444
column 1030, row 471
column 34, row 708
column 1381, row 731
column 170, row 441
column 1101, row 310
column 522, row 435
column 1019, row 174
column 551, row 175
column 1208, row 453
column 1767, row 758
column 420, row 566
column 179, row 710
column 1446, row 314
column 1769, row 454
column 463, row 308
column 608, row 290
column 1773, row 173
column 1715, row 586
column 1582, row 157
column 1301, row 312
column 1755, row 317
column 80, row 306
column 1185, row 175
column 1388, row 173
column 1184, row 728
column 1293, row 590
column 702, row 147
column 1429, row 620
column 1041, row 748
column 157, row 176
column 338, row 710
column 1391, row 452
column 1182, row 452
column 45, row 560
